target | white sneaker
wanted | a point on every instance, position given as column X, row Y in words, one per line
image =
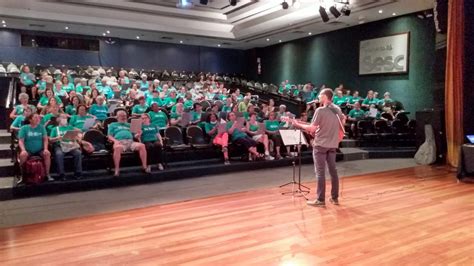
column 269, row 158
column 160, row 167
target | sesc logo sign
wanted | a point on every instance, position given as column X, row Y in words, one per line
column 384, row 64
column 384, row 55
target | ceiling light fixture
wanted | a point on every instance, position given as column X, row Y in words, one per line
column 4, row 25
column 380, row 11
column 394, row 14
column 279, row 40
column 180, row 41
column 268, row 39
column 3, row 22
column 103, row 34
column 66, row 28
column 323, row 14
column 233, row 2
column 138, row 37
column 334, row 11
column 310, row 33
column 108, row 32
column 284, row 5
column 296, row 4
column 218, row 45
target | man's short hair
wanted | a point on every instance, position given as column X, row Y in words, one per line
column 328, row 92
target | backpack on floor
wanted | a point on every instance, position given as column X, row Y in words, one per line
column 34, row 172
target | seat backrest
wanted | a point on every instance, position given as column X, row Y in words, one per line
column 398, row 126
column 107, row 122
column 381, row 126
column 411, row 125
column 196, row 135
column 174, row 136
column 365, row 126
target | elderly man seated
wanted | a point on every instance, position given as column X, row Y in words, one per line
column 120, row 135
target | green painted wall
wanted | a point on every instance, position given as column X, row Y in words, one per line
column 332, row 58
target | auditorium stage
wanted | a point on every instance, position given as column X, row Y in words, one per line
column 418, row 215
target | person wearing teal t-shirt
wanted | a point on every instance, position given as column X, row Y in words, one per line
column 239, row 137
column 139, row 108
column 158, row 117
column 67, row 86
column 353, row 117
column 171, row 100
column 339, row 98
column 144, row 83
column 27, row 78
column 78, row 120
column 150, row 136
column 369, row 100
column 196, row 115
column 354, row 98
column 99, row 110
column 20, row 120
column 19, row 109
column 33, row 140
column 218, row 139
column 56, row 137
column 71, row 109
column 120, row 135
column 272, row 125
column 155, row 98
column 252, row 129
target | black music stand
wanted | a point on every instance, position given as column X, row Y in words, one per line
column 295, row 137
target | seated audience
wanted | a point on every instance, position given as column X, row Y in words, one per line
column 33, row 141
column 239, row 137
column 253, row 129
column 78, row 120
column 139, row 108
column 272, row 125
column 63, row 147
column 355, row 115
column 99, row 109
column 218, row 139
column 21, row 119
column 150, row 136
column 120, row 135
column 369, row 100
column 20, row 108
column 157, row 116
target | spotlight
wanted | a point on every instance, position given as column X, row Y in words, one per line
column 203, row 2
column 233, row 2
column 284, row 5
column 346, row 10
column 334, row 11
column 323, row 14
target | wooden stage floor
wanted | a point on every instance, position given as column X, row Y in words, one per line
column 414, row 216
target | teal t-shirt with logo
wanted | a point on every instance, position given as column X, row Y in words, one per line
column 149, row 133
column 77, row 121
column 71, row 109
column 157, row 100
column 99, row 111
column 120, row 131
column 18, row 122
column 272, row 125
column 19, row 109
column 357, row 114
column 158, row 118
column 139, row 109
column 237, row 134
column 33, row 138
column 60, row 131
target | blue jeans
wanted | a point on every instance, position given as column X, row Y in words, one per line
column 321, row 156
column 59, row 158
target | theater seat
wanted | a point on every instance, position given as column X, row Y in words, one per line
column 174, row 139
column 196, row 138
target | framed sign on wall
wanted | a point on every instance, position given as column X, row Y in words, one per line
column 385, row 55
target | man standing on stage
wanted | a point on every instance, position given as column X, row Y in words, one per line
column 327, row 129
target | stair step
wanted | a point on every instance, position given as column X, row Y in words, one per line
column 5, row 137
